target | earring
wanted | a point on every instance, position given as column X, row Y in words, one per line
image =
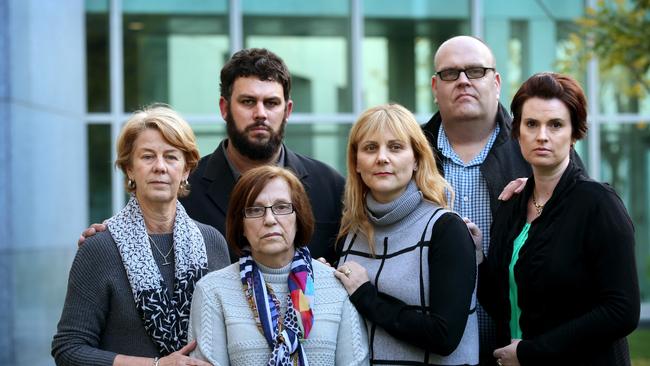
column 185, row 184
column 130, row 184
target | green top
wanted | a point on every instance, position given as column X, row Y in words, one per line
column 515, row 312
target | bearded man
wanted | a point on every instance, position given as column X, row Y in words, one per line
column 255, row 103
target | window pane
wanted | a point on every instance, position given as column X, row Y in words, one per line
column 525, row 37
column 173, row 54
column 323, row 141
column 99, row 172
column 313, row 41
column 97, row 56
column 208, row 136
column 619, row 93
column 400, row 39
column 625, row 153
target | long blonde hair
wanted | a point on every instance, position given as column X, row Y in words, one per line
column 399, row 121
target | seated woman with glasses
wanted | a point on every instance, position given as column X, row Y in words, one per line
column 276, row 306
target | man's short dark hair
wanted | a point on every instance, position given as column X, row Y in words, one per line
column 258, row 62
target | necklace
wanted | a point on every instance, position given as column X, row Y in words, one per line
column 166, row 261
column 539, row 208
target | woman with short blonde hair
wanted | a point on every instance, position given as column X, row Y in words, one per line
column 131, row 286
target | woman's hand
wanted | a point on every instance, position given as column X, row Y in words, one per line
column 507, row 356
column 177, row 358
column 352, row 275
column 181, row 357
column 477, row 237
column 324, row 261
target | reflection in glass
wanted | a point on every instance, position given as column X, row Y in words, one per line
column 619, row 93
column 517, row 63
column 99, row 172
column 175, row 59
column 326, row 142
column 97, row 60
column 208, row 136
column 398, row 59
column 625, row 152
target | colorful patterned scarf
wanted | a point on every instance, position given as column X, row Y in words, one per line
column 284, row 336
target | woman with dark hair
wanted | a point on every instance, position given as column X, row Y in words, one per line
column 560, row 278
column 276, row 306
column 130, row 287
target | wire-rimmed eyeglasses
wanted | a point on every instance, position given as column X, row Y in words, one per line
column 471, row 73
column 253, row 212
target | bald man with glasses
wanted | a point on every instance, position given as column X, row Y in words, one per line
column 470, row 137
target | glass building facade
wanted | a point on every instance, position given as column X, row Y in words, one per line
column 344, row 56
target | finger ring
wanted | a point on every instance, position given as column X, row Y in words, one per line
column 347, row 272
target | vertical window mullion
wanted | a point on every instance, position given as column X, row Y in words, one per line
column 235, row 26
column 476, row 18
column 117, row 95
column 356, row 54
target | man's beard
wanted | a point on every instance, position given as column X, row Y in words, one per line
column 254, row 150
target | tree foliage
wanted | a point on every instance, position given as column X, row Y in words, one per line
column 617, row 33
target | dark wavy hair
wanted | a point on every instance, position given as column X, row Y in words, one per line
column 550, row 85
column 258, row 62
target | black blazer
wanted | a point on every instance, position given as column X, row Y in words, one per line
column 576, row 275
column 213, row 180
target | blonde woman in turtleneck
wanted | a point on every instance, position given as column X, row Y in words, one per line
column 408, row 263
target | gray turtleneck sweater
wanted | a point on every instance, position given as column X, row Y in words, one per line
column 420, row 301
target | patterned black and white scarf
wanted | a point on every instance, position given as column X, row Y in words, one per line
column 166, row 320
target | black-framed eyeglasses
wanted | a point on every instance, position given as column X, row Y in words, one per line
column 259, row 211
column 471, row 73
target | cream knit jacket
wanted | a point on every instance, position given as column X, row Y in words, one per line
column 223, row 324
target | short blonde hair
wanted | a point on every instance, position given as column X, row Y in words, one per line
column 174, row 129
column 399, row 121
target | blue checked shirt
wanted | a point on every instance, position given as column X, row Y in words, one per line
column 472, row 200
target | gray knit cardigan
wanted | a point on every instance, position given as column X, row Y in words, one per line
column 99, row 318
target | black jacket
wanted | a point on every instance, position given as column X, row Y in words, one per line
column 503, row 163
column 212, row 182
column 576, row 275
